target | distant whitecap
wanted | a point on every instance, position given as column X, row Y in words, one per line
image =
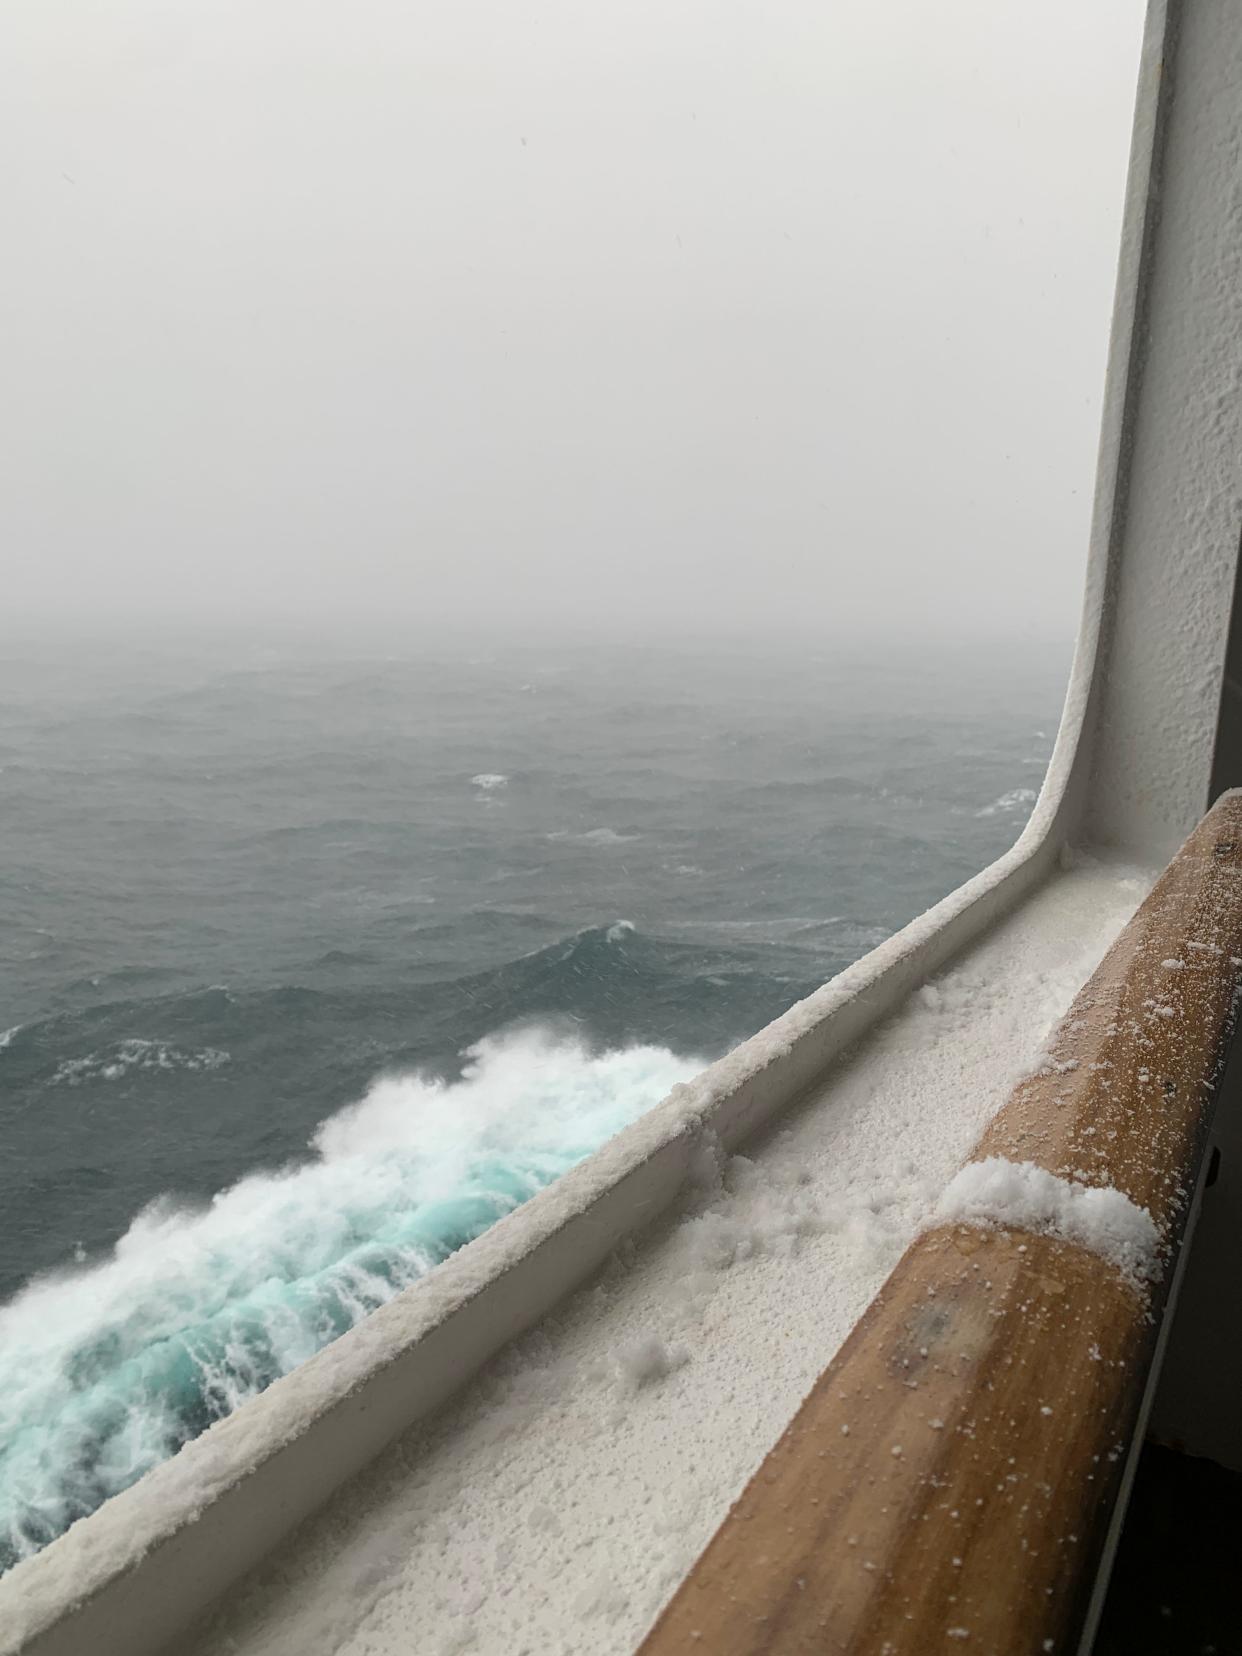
column 1017, row 799
column 124, row 1057
column 489, row 781
column 593, row 836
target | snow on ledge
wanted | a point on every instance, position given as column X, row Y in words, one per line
column 1101, row 1218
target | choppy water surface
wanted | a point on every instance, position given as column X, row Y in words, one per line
column 311, row 968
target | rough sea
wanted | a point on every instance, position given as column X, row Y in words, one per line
column 314, row 964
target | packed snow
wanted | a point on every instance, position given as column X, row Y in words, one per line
column 998, row 1192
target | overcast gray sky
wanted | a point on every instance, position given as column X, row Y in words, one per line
column 777, row 314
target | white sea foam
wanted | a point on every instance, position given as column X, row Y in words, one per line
column 6, row 1037
column 1016, row 801
column 124, row 1057
column 105, row 1371
column 489, row 781
column 592, row 836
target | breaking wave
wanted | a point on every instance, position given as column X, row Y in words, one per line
column 106, row 1371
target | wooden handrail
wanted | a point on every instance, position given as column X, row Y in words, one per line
column 948, row 1482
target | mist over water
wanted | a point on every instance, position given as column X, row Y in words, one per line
column 315, row 965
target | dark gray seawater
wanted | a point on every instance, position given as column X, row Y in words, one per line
column 497, row 899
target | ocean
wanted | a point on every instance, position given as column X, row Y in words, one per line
column 313, row 963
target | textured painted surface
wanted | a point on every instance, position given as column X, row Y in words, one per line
column 1180, row 511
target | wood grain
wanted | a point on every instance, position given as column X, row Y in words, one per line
column 947, row 1483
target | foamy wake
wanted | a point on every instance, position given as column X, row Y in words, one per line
column 108, row 1370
